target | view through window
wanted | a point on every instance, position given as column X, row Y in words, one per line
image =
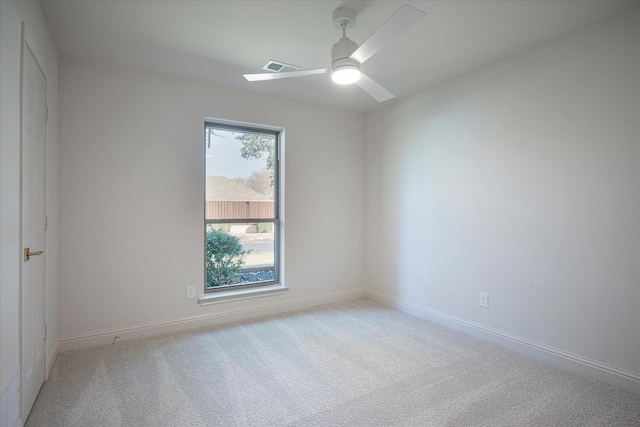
column 241, row 207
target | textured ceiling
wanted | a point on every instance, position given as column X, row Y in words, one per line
column 218, row 41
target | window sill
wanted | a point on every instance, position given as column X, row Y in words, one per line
column 240, row 294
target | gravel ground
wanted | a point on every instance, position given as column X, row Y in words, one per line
column 257, row 276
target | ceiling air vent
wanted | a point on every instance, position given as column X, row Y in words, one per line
column 279, row 67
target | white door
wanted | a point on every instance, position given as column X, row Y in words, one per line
column 34, row 97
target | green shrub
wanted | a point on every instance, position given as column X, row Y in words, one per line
column 225, row 258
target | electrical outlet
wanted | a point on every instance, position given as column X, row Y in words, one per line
column 483, row 300
column 191, row 292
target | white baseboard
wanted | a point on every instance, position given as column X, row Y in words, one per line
column 103, row 337
column 563, row 359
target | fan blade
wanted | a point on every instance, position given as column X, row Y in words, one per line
column 284, row 75
column 397, row 24
column 374, row 89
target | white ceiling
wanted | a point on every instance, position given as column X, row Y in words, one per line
column 218, row 41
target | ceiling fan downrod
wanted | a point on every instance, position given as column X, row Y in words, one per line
column 344, row 70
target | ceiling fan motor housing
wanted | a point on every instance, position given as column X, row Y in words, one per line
column 340, row 53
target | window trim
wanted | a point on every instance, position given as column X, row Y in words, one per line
column 228, row 295
column 248, row 289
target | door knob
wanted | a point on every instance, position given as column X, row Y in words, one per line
column 28, row 254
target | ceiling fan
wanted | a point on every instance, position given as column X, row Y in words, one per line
column 347, row 57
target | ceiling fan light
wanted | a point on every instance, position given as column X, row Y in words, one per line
column 345, row 75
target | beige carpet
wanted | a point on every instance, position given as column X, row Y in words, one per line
column 350, row 364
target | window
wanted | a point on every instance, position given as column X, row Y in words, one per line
column 241, row 219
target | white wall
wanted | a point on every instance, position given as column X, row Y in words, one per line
column 12, row 14
column 521, row 179
column 131, row 201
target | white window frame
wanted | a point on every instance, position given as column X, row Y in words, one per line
column 276, row 286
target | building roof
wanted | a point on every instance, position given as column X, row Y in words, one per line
column 222, row 188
